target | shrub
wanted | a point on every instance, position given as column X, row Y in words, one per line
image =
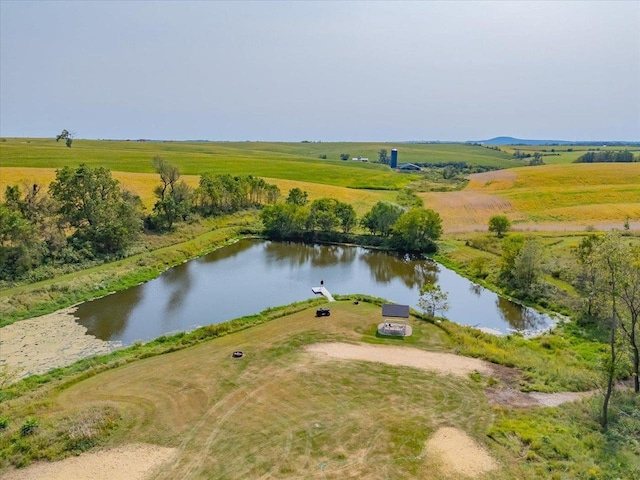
column 29, row 427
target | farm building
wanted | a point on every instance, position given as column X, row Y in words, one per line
column 395, row 321
column 409, row 167
column 360, row 159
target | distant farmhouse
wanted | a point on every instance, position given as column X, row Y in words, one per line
column 360, row 159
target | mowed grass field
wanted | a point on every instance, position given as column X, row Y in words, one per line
column 280, row 412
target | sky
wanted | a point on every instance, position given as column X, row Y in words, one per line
column 320, row 71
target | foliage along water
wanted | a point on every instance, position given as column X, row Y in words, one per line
column 250, row 276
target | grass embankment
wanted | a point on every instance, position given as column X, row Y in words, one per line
column 283, row 413
column 159, row 253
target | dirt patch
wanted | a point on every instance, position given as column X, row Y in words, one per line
column 509, row 397
column 40, row 344
column 129, row 462
column 446, row 363
column 458, row 454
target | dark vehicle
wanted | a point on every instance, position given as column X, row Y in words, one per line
column 323, row 312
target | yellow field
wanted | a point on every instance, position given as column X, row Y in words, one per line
column 569, row 196
column 603, row 195
column 143, row 184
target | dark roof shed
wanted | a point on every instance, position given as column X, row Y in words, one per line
column 401, row 311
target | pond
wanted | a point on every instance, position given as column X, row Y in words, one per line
column 251, row 275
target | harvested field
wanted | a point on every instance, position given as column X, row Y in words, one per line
column 468, row 210
column 549, row 197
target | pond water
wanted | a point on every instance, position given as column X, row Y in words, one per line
column 251, row 275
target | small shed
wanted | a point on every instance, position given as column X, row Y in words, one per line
column 391, row 310
column 395, row 321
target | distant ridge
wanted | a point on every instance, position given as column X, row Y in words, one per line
column 521, row 141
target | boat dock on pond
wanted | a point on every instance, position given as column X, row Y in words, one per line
column 323, row 291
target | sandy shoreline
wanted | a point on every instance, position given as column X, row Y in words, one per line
column 39, row 344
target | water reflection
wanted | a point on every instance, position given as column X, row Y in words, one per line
column 249, row 276
column 298, row 255
column 412, row 271
column 476, row 289
column 520, row 318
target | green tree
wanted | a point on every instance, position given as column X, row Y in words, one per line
column 297, row 196
column 174, row 197
column 31, row 220
column 91, row 201
column 66, row 136
column 630, row 299
column 499, row 224
column 417, row 230
column 432, row 299
column 527, row 268
column 611, row 258
column 347, row 216
column 284, row 220
column 322, row 215
column 380, row 219
column 383, row 157
column 510, row 249
column 536, row 160
column 344, row 156
column 588, row 277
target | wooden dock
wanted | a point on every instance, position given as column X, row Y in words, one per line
column 323, row 291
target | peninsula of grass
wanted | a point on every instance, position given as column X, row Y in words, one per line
column 281, row 412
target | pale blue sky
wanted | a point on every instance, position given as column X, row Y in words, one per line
column 291, row 71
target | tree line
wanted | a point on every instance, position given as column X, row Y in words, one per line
column 624, row 156
column 400, row 228
column 85, row 215
column 609, row 282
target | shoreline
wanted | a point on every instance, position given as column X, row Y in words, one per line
column 37, row 345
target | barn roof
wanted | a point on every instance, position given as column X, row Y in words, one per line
column 395, row 310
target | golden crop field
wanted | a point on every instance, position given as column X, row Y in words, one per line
column 576, row 195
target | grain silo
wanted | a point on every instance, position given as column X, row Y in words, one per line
column 394, row 157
